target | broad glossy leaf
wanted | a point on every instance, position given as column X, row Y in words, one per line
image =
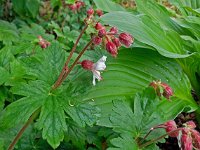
column 167, row 42
column 131, row 72
column 108, row 5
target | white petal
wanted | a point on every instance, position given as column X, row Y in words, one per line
column 97, row 75
column 100, row 64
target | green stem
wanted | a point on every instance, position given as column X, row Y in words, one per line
column 19, row 134
column 154, row 140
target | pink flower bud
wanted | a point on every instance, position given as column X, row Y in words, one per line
column 196, row 138
column 114, row 30
column 126, row 39
column 72, row 7
column 98, row 26
column 116, row 42
column 78, row 5
column 167, row 90
column 99, row 12
column 171, row 126
column 90, row 12
column 111, row 48
column 102, row 32
column 190, row 124
column 186, row 142
column 43, row 43
column 87, row 64
column 97, row 40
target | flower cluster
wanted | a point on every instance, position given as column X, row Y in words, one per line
column 43, row 43
column 111, row 39
column 188, row 137
column 76, row 6
column 95, row 68
column 162, row 89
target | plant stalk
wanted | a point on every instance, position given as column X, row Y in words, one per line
column 65, row 68
column 154, row 140
column 19, row 134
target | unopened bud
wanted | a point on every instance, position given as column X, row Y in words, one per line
column 87, row 64
column 116, row 42
column 114, row 30
column 102, row 32
column 111, row 48
column 90, row 12
column 98, row 26
column 126, row 39
column 97, row 40
column 171, row 126
column 99, row 12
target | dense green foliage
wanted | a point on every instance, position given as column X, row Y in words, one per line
column 118, row 112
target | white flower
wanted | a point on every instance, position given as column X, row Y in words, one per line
column 98, row 66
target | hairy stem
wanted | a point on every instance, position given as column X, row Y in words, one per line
column 154, row 140
column 65, row 68
column 76, row 61
column 19, row 134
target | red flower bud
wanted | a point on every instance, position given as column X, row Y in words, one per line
column 102, row 32
column 171, row 126
column 43, row 43
column 114, row 30
column 111, row 48
column 167, row 90
column 99, row 12
column 72, row 7
column 97, row 40
column 87, row 64
column 78, row 5
column 186, row 142
column 98, row 26
column 196, row 138
column 90, row 12
column 126, row 39
column 116, row 42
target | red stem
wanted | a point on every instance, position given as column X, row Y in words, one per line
column 59, row 80
column 19, row 134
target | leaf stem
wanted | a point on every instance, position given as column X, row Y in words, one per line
column 154, row 140
column 65, row 68
column 19, row 134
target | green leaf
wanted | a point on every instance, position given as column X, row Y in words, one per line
column 33, row 7
column 4, row 75
column 139, row 122
column 83, row 114
column 132, row 71
column 125, row 141
column 168, row 43
column 8, row 32
column 108, row 5
column 52, row 121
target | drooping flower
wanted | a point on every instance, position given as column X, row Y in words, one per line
column 162, row 89
column 43, row 43
column 186, row 141
column 171, row 126
column 95, row 68
column 116, row 42
column 126, row 39
column 99, row 12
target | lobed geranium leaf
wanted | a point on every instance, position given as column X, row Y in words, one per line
column 125, row 141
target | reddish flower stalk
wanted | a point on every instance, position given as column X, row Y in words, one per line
column 65, row 68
